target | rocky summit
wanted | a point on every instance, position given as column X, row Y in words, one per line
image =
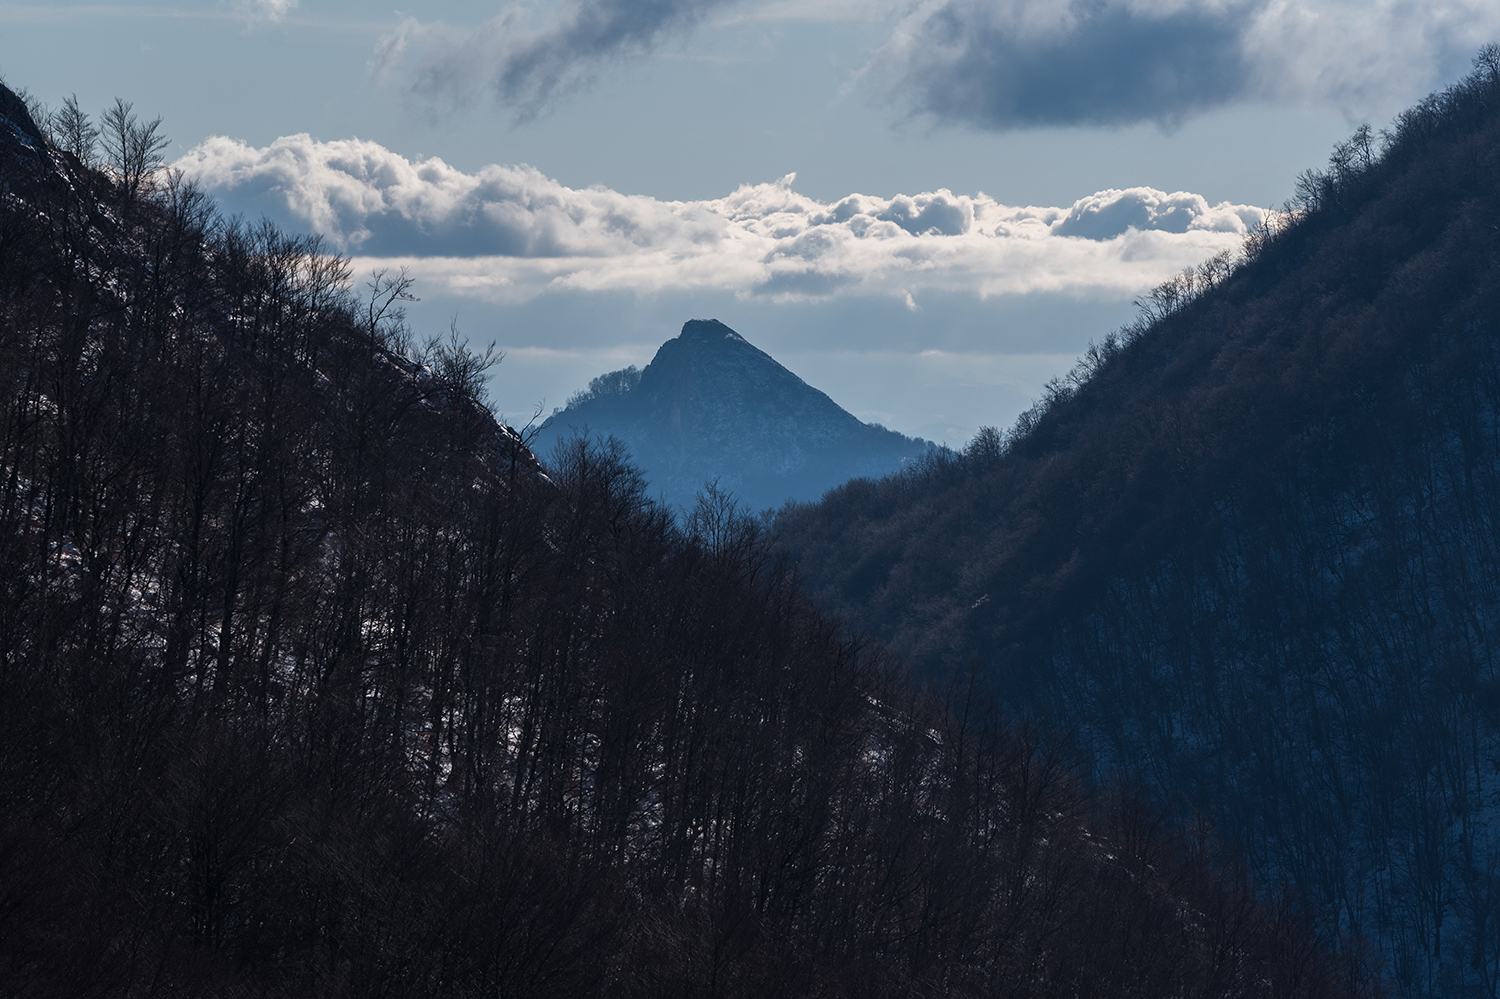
column 712, row 407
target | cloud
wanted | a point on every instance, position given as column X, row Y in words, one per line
column 264, row 10
column 1020, row 64
column 1002, row 64
column 997, row 64
column 1112, row 213
column 525, row 68
column 509, row 233
column 815, row 11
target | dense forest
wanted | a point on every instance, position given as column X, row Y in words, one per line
column 315, row 682
column 1249, row 549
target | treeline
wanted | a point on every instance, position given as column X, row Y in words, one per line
column 1248, row 549
column 314, row 682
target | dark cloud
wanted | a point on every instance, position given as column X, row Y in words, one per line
column 1105, row 64
column 1000, row 64
column 524, row 68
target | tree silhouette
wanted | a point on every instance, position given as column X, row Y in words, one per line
column 133, row 148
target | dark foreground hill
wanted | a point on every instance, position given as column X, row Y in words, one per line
column 1251, row 547
column 314, row 683
column 712, row 408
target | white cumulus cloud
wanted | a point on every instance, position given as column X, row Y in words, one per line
column 1110, row 213
column 511, row 233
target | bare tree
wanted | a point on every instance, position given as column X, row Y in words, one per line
column 459, row 370
column 385, row 315
column 134, row 147
column 1488, row 61
column 72, row 131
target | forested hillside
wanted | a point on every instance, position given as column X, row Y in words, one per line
column 314, row 682
column 1250, row 548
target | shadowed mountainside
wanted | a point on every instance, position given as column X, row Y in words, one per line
column 1250, row 548
column 712, row 407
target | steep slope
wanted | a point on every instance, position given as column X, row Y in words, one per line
column 710, row 407
column 1251, row 548
column 314, row 683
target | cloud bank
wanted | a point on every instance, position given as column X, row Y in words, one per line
column 525, row 68
column 1000, row 64
column 511, row 233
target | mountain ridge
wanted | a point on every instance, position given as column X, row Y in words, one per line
column 1248, row 549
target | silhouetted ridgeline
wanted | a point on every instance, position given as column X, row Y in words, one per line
column 314, row 683
column 1251, row 548
column 712, row 407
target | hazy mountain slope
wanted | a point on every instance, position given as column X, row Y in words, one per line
column 1252, row 548
column 710, row 406
column 314, row 683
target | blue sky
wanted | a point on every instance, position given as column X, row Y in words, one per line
column 924, row 208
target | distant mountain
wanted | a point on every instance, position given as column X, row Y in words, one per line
column 710, row 406
column 1250, row 548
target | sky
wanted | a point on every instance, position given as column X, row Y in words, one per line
column 926, row 208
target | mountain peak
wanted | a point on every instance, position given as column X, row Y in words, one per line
column 707, row 331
